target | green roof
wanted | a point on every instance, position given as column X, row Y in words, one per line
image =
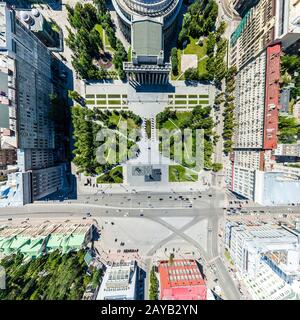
column 147, row 37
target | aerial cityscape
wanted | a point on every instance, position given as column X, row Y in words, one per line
column 150, row 150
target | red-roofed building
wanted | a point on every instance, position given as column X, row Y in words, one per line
column 181, row 280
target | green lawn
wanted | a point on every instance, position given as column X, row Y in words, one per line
column 118, row 102
column 178, row 173
column 175, row 123
column 103, row 37
column 115, row 175
column 202, row 65
column 228, row 257
column 193, row 48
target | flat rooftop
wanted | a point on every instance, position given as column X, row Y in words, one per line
column 147, row 37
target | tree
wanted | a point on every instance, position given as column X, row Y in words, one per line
column 191, row 74
column 153, row 291
column 183, row 37
column 289, row 129
column 221, row 29
column 171, row 258
column 211, row 42
column 74, row 95
column 174, row 61
column 217, row 167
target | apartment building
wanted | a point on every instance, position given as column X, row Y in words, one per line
column 26, row 88
column 284, row 149
column 255, row 49
column 256, row 113
column 243, row 6
column 267, row 22
column 254, row 33
column 250, row 94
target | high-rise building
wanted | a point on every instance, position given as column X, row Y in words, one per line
column 26, row 89
column 243, row 6
column 147, row 64
column 267, row 22
column 129, row 10
column 255, row 49
column 256, row 113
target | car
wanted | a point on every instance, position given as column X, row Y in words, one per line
column 210, row 195
column 160, row 199
column 9, row 219
column 141, row 214
column 190, row 206
column 84, row 218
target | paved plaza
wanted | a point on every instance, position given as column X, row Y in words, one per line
column 189, row 61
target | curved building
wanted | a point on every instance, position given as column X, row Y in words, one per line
column 128, row 10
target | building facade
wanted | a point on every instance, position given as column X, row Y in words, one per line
column 27, row 82
column 147, row 64
column 267, row 27
column 166, row 10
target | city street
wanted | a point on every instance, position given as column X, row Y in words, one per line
column 187, row 227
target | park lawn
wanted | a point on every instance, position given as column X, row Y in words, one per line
column 178, row 173
column 172, row 124
column 193, row 48
column 130, row 123
column 103, row 37
column 99, row 28
column 115, row 175
column 114, row 102
column 115, row 118
column 202, row 65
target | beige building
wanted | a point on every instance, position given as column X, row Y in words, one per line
column 254, row 33
column 296, row 111
column 267, row 22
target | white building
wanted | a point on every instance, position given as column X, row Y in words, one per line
column 287, row 27
column 165, row 10
column 250, row 101
column 119, row 282
column 292, row 150
column 276, row 188
column 265, row 254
